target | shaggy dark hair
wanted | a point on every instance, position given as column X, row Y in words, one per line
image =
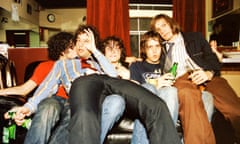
column 81, row 29
column 146, row 37
column 58, row 43
column 107, row 42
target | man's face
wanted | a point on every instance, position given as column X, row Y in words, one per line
column 82, row 44
column 153, row 51
column 70, row 52
column 164, row 29
column 113, row 53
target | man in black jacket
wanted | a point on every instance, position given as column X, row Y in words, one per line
column 192, row 52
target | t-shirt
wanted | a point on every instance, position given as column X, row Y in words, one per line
column 42, row 71
column 144, row 71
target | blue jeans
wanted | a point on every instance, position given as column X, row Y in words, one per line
column 55, row 111
column 112, row 109
column 208, row 104
column 169, row 95
column 139, row 133
column 49, row 112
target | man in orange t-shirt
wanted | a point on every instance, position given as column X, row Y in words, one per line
column 55, row 107
column 41, row 72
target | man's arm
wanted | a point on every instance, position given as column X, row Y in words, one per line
column 46, row 89
column 211, row 59
column 106, row 66
column 22, row 90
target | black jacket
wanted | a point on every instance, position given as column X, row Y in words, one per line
column 200, row 52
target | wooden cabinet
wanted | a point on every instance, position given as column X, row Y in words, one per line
column 18, row 38
column 24, row 56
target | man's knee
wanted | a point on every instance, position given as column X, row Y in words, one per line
column 150, row 87
column 114, row 105
column 49, row 106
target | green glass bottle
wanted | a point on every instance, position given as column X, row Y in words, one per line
column 9, row 131
column 27, row 123
column 173, row 69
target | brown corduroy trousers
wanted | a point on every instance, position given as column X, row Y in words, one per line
column 196, row 126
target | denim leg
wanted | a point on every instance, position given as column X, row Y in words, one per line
column 43, row 121
column 112, row 109
column 208, row 104
column 169, row 95
column 139, row 135
column 60, row 133
column 150, row 87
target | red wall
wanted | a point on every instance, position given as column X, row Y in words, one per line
column 24, row 56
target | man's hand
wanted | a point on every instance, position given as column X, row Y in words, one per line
column 200, row 76
column 91, row 46
column 166, row 80
column 21, row 113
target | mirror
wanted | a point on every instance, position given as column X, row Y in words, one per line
column 230, row 28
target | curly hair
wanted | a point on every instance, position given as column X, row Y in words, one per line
column 58, row 43
column 81, row 29
column 117, row 41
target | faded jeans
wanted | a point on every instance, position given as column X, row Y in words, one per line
column 169, row 95
column 139, row 133
column 50, row 123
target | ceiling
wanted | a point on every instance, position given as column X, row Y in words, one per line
column 59, row 4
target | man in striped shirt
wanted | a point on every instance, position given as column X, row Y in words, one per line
column 52, row 129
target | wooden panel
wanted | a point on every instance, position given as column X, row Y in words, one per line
column 233, row 77
column 23, row 56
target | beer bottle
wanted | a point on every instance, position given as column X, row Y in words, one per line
column 27, row 123
column 173, row 69
column 9, row 131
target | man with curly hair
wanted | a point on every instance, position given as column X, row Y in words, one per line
column 60, row 46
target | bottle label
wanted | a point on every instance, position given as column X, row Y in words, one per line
column 5, row 137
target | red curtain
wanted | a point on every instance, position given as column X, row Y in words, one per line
column 190, row 14
column 110, row 17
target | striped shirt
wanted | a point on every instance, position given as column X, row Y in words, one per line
column 64, row 73
column 180, row 55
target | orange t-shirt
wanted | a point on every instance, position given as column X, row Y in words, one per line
column 42, row 71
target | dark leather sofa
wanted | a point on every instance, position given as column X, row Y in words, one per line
column 8, row 79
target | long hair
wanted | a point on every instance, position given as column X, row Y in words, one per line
column 81, row 29
column 173, row 24
column 117, row 41
column 145, row 38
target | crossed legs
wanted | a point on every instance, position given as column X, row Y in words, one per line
column 87, row 94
